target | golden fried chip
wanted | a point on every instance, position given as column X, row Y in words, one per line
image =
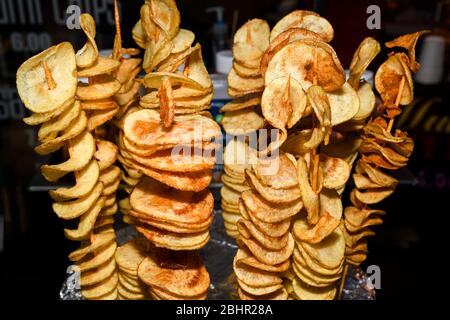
column 47, row 81
column 316, row 233
column 283, row 102
column 105, row 86
column 103, row 65
column 106, row 153
column 277, row 229
column 329, row 252
column 306, row 292
column 304, row 19
column 143, row 128
column 367, row 50
column 100, row 289
column 335, row 172
column 268, row 256
column 87, row 56
column 87, row 221
column 75, row 208
column 242, row 121
column 272, row 194
column 86, row 179
column 309, row 197
column 179, row 273
column 307, row 61
column 164, row 204
column 387, row 81
column 408, row 41
column 344, row 104
column 89, row 263
column 60, row 123
column 99, row 241
column 269, row 212
column 83, row 147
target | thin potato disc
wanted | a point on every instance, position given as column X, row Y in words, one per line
column 48, row 80
column 307, row 61
column 304, row 19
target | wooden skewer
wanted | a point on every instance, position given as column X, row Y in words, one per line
column 343, row 278
column 397, row 101
column 48, row 76
column 117, row 51
column 314, row 155
column 315, row 160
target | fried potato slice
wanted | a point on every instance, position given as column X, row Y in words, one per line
column 94, row 261
column 105, row 86
column 183, row 40
column 243, row 256
column 372, row 196
column 179, row 273
column 73, row 130
column 38, row 118
column 48, row 80
column 100, row 117
column 277, row 229
column 164, row 204
column 72, row 209
column 277, row 295
column 272, row 194
column 367, row 50
column 283, row 102
column 239, row 83
column 101, row 289
column 99, row 241
column 306, row 61
column 367, row 102
column 281, row 40
column 106, row 153
column 241, row 103
column 329, row 252
column 60, row 123
column 344, row 104
column 165, row 14
column 259, row 291
column 131, row 254
column 83, row 149
column 335, row 172
column 242, row 121
column 408, row 42
column 316, row 233
column 304, row 19
column 252, row 276
column 388, row 77
column 269, row 212
column 143, row 128
column 88, row 54
column 309, row 197
column 248, row 230
column 185, row 181
column 306, row 292
column 85, row 182
column 103, row 65
column 267, row 256
column 196, row 71
column 87, row 221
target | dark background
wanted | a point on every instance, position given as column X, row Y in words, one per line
column 411, row 246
